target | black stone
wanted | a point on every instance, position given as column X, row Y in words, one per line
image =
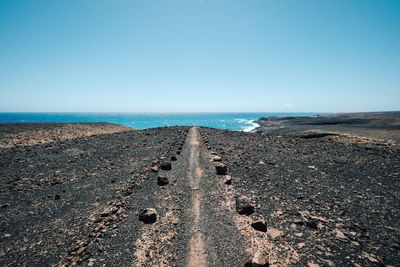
column 259, row 226
column 244, row 206
column 148, row 216
column 221, row 169
column 166, row 166
column 161, row 180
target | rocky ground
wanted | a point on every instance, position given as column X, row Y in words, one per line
column 373, row 127
column 27, row 134
column 213, row 198
column 76, row 201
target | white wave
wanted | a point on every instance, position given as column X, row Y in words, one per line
column 252, row 125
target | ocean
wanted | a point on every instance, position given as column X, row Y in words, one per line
column 229, row 121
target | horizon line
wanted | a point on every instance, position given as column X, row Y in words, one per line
column 189, row 112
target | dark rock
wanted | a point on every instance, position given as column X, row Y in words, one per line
column 313, row 224
column 259, row 225
column 57, row 197
column 221, row 169
column 166, row 166
column 161, row 180
column 178, row 152
column 105, row 213
column 244, row 206
column 173, row 158
column 148, row 215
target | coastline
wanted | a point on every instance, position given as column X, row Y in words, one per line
column 381, row 127
column 230, row 120
column 253, row 126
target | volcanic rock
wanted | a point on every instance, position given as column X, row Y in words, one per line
column 166, row 166
column 313, row 224
column 244, row 206
column 221, row 169
column 161, row 180
column 148, row 215
column 259, row 225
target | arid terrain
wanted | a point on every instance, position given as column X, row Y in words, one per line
column 297, row 192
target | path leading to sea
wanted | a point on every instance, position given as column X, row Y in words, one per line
column 196, row 246
column 200, row 214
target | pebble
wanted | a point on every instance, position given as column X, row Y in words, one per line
column 217, row 158
column 154, row 169
column 274, row 233
column 301, row 245
column 228, row 180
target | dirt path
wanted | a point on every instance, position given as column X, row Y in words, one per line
column 214, row 239
column 196, row 245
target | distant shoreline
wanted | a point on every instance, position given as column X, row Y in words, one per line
column 378, row 126
column 229, row 121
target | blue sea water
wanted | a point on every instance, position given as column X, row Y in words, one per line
column 230, row 121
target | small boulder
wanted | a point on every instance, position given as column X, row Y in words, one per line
column 259, row 225
column 161, row 180
column 166, row 166
column 244, row 206
column 221, row 169
column 173, row 158
column 148, row 215
column 228, row 180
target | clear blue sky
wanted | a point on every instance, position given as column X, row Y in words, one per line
column 199, row 55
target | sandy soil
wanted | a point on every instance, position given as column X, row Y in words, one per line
column 28, row 134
